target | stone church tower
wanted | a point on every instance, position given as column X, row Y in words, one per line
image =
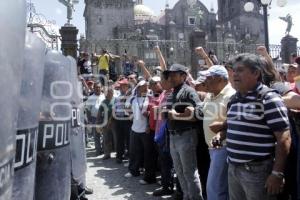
column 139, row 2
column 239, row 25
column 102, row 16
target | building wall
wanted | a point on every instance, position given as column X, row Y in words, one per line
column 102, row 16
column 182, row 12
column 194, row 34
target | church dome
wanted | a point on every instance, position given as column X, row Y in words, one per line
column 142, row 10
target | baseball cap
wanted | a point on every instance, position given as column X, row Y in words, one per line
column 90, row 82
column 286, row 66
column 123, row 82
column 294, row 55
column 140, row 78
column 176, row 68
column 158, row 68
column 201, row 77
column 298, row 60
column 283, row 68
column 132, row 75
column 116, row 85
column 141, row 83
column 155, row 79
column 217, row 70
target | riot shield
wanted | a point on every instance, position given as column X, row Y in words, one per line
column 53, row 169
column 28, row 117
column 77, row 138
column 12, row 36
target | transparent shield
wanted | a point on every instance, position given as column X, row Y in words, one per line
column 28, row 117
column 12, row 36
column 53, row 169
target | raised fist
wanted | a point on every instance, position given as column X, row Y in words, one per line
column 200, row 51
column 156, row 49
column 261, row 50
column 140, row 63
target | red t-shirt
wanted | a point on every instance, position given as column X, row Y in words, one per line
column 162, row 100
column 153, row 101
column 294, row 88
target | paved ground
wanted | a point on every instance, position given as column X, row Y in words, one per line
column 106, row 177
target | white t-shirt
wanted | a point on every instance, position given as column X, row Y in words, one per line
column 117, row 93
column 93, row 103
column 88, row 66
column 139, row 106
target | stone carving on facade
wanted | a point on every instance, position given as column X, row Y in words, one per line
column 70, row 8
column 192, row 3
column 109, row 3
column 289, row 20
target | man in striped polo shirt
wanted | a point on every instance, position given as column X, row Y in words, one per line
column 257, row 132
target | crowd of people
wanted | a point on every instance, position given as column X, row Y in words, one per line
column 231, row 133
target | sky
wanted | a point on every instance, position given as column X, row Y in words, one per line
column 53, row 10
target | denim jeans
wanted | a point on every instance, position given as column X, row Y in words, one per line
column 247, row 181
column 183, row 152
column 217, row 181
column 166, row 165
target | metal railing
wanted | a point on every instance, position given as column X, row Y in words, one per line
column 173, row 51
column 43, row 28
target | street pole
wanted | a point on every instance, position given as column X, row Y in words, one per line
column 266, row 26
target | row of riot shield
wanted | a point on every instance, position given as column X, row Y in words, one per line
column 40, row 105
column 12, row 42
column 44, row 158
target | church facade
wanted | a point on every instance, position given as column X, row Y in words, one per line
column 127, row 26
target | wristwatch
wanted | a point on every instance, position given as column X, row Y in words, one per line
column 278, row 174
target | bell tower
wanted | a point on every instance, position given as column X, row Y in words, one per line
column 102, row 16
column 139, row 2
column 242, row 25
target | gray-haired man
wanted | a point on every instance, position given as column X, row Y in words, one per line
column 258, row 131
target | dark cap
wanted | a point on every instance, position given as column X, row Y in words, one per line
column 298, row 60
column 176, row 68
column 294, row 55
